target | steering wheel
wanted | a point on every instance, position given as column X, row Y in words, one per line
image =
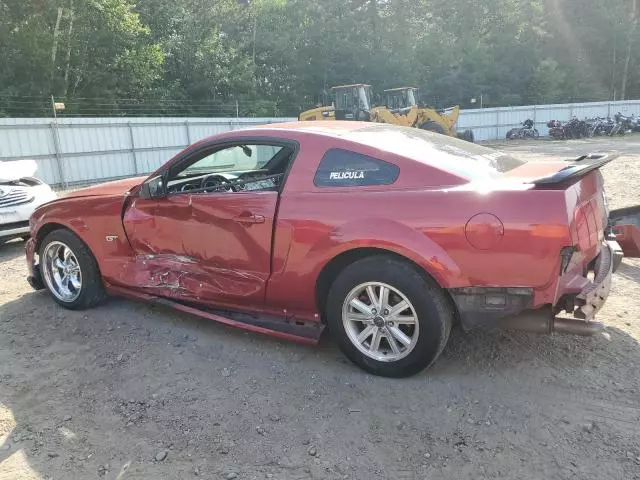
column 216, row 183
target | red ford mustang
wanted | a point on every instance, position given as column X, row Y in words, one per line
column 386, row 235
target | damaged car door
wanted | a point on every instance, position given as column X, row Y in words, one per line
column 203, row 229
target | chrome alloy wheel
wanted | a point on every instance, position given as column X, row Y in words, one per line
column 380, row 321
column 61, row 271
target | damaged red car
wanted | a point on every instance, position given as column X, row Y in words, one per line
column 386, row 235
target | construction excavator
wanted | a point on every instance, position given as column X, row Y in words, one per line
column 353, row 102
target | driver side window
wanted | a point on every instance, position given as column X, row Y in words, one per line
column 236, row 168
column 233, row 159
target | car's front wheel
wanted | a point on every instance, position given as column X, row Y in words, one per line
column 70, row 271
column 387, row 317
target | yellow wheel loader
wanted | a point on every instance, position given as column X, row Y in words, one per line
column 401, row 108
column 353, row 102
column 350, row 102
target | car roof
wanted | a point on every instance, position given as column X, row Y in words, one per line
column 332, row 128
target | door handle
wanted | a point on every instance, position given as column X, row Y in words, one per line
column 249, row 218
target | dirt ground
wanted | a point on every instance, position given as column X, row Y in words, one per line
column 131, row 391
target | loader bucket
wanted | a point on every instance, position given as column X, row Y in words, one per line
column 625, row 224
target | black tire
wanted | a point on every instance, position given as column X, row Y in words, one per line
column 432, row 126
column 433, row 310
column 468, row 136
column 91, row 291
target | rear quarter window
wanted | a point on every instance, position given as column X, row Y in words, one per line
column 342, row 168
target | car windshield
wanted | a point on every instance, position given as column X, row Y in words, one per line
column 464, row 159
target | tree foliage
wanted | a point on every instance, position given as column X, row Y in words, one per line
column 277, row 57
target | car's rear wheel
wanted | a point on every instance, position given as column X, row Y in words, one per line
column 70, row 271
column 388, row 318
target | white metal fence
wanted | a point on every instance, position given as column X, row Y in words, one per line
column 494, row 123
column 76, row 151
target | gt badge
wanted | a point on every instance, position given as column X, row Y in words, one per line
column 111, row 238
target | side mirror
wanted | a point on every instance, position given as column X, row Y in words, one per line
column 153, row 188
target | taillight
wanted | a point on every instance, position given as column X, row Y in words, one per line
column 582, row 226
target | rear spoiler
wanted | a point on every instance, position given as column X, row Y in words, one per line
column 578, row 168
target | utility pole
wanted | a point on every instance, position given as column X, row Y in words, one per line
column 53, row 107
column 56, row 144
column 630, row 39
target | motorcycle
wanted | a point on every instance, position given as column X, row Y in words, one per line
column 599, row 126
column 627, row 124
column 575, row 128
column 556, row 130
column 590, row 127
column 526, row 131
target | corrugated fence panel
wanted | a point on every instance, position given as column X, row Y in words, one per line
column 200, row 130
column 77, row 138
column 22, row 138
column 169, row 135
column 150, row 161
column 86, row 168
column 88, row 150
column 17, row 140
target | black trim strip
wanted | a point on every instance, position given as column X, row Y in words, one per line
column 5, row 227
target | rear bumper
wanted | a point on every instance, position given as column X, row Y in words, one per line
column 592, row 297
column 579, row 292
column 583, row 296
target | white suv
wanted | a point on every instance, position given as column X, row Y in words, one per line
column 20, row 195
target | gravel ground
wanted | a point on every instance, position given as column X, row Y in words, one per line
column 134, row 391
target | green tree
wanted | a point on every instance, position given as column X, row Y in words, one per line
column 74, row 48
column 278, row 57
